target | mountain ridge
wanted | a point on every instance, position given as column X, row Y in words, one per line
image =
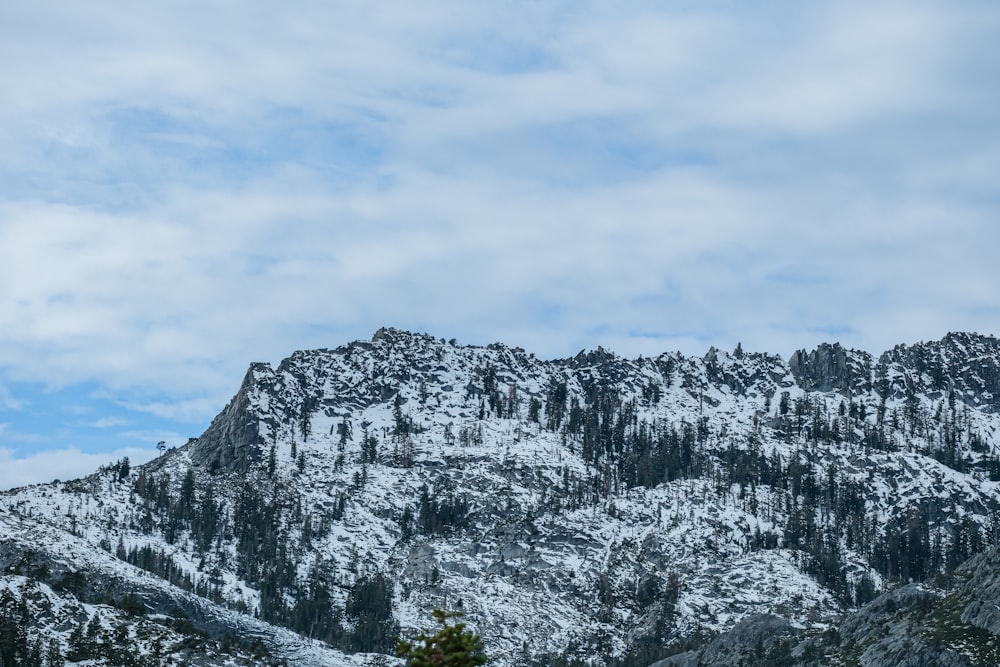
column 592, row 508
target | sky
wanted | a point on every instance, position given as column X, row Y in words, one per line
column 186, row 188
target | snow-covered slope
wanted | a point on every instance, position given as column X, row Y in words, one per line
column 66, row 584
column 588, row 508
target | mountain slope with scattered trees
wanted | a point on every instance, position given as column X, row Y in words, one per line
column 591, row 510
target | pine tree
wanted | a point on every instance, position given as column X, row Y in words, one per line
column 78, row 644
column 452, row 646
column 272, row 461
column 54, row 656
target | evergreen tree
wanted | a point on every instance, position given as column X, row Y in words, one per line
column 272, row 461
column 369, row 605
column 452, row 646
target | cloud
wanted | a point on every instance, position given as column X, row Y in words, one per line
column 63, row 464
column 8, row 401
column 179, row 197
column 108, row 422
column 182, row 411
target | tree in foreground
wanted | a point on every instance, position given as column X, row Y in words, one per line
column 452, row 646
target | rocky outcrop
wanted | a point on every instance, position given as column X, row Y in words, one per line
column 741, row 373
column 888, row 632
column 831, row 368
column 752, row 641
column 232, row 441
column 980, row 591
column 964, row 367
column 911, row 626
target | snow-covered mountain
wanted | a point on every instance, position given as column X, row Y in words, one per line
column 592, row 510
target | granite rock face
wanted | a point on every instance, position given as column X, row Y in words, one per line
column 961, row 367
column 980, row 591
column 832, row 368
column 964, row 367
column 753, row 640
column 232, row 441
column 890, row 631
column 915, row 625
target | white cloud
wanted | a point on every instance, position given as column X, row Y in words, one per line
column 109, row 422
column 63, row 464
column 8, row 401
column 184, row 411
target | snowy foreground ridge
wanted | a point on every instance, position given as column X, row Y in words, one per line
column 593, row 511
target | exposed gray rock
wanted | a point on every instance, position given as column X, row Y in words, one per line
column 232, row 441
column 866, row 624
column 965, row 366
column 752, row 640
column 981, row 590
column 831, row 368
column 888, row 632
column 420, row 562
column 911, row 626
